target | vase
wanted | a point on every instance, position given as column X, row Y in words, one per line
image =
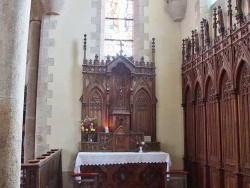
column 89, row 137
column 140, row 149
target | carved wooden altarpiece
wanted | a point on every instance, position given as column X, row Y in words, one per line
column 119, row 92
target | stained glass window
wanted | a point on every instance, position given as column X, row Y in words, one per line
column 118, row 27
column 213, row 1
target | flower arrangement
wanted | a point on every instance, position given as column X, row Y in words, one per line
column 89, row 124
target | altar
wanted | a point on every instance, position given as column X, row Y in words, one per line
column 119, row 106
column 125, row 169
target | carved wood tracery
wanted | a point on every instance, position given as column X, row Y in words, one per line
column 216, row 106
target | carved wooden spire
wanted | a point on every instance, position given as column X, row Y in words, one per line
column 153, row 50
column 183, row 51
column 206, row 31
column 202, row 35
column 229, row 13
column 215, row 23
column 221, row 20
column 192, row 46
column 239, row 15
column 84, row 47
column 196, row 41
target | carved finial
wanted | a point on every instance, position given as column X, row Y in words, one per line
column 153, row 49
column 206, row 32
column 188, row 48
column 142, row 63
column 192, row 40
column 230, row 14
column 183, row 51
column 239, row 15
column 220, row 21
column 84, row 46
column 108, row 59
column 196, row 41
column 215, row 23
column 202, row 35
column 96, row 62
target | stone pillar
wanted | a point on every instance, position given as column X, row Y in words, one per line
column 32, row 71
column 14, row 26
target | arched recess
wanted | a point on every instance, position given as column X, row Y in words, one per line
column 143, row 113
column 228, row 127
column 189, row 125
column 243, row 85
column 212, row 121
column 120, row 85
column 213, row 132
column 199, row 123
column 95, row 106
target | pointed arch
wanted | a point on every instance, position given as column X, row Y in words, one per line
column 95, row 105
column 143, row 113
column 199, row 122
column 189, row 124
column 227, row 116
column 243, row 86
column 212, row 122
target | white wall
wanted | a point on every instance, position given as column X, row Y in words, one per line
column 168, row 80
column 73, row 22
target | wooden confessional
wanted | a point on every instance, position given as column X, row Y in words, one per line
column 216, row 103
column 120, row 92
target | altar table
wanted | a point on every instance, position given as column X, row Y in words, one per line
column 125, row 169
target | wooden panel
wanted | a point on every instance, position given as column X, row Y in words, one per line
column 214, row 178
column 129, row 175
column 228, row 134
column 200, row 126
column 213, row 126
column 230, row 180
column 190, row 129
column 143, row 114
column 246, row 182
column 244, row 118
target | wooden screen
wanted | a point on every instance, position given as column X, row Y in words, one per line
column 216, row 102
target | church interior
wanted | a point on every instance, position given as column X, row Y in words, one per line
column 108, row 80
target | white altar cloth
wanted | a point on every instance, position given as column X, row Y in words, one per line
column 109, row 158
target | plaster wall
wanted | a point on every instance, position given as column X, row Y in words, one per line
column 75, row 21
column 168, row 80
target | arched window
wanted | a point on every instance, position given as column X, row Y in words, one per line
column 118, row 27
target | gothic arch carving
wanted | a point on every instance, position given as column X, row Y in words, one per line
column 143, row 83
column 95, row 105
column 238, row 70
column 243, row 83
column 123, row 60
column 142, row 121
column 222, row 73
